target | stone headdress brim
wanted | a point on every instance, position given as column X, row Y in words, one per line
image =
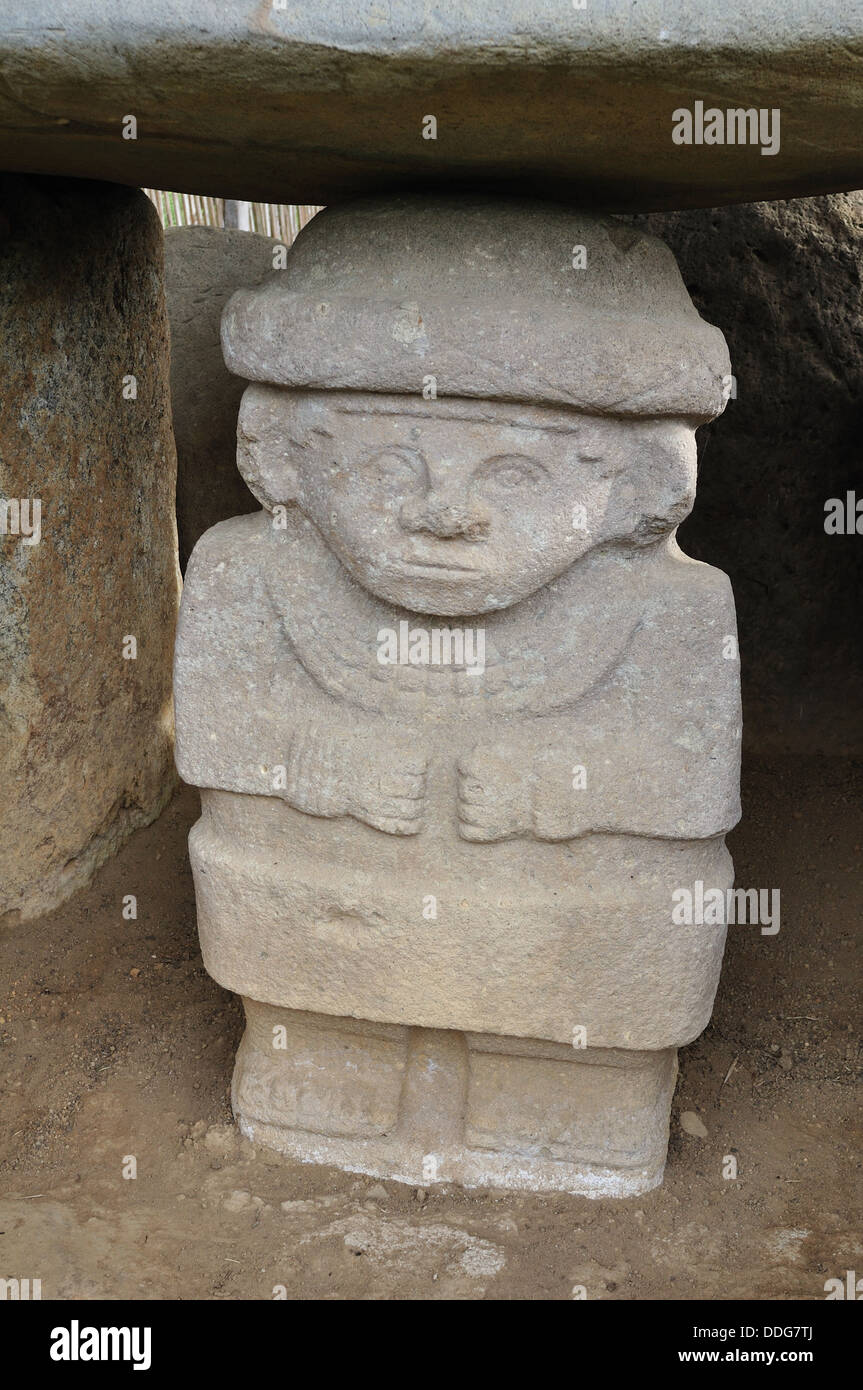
column 611, row 366
column 481, row 295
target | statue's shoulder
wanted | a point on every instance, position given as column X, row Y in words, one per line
column 228, row 645
column 228, row 560
column 688, row 634
column 225, row 613
column 696, row 594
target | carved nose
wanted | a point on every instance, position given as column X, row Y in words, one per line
column 442, row 517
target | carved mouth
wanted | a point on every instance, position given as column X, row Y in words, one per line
column 438, row 566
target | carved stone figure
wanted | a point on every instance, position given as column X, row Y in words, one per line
column 463, row 715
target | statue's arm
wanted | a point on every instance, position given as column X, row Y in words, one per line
column 250, row 719
column 655, row 751
column 354, row 765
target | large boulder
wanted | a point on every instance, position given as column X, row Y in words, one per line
column 307, row 103
column 85, row 432
column 203, row 267
column 783, row 282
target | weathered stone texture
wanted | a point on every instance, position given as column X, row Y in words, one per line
column 426, row 1105
column 85, row 735
column 309, row 103
column 547, row 800
column 203, row 268
column 784, row 281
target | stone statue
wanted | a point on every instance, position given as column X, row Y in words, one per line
column 462, row 714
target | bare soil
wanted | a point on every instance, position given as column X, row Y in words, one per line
column 114, row 1044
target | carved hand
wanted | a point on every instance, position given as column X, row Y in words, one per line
column 528, row 788
column 364, row 773
column 494, row 793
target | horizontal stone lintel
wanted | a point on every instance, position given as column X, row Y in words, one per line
column 311, row 103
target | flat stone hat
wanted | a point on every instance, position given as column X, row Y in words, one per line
column 485, row 295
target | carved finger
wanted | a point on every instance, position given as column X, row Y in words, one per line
column 410, row 786
column 391, row 825
column 479, row 833
column 398, row 808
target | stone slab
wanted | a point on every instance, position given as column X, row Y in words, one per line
column 311, row 103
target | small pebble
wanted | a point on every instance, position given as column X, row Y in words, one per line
column 691, row 1124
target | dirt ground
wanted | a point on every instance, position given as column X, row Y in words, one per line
column 115, row 1043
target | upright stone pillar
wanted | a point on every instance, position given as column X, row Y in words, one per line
column 464, row 718
column 88, row 567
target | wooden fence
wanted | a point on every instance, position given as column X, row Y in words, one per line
column 193, row 210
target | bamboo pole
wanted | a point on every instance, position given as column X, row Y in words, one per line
column 281, row 221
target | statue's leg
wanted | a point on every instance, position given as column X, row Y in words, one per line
column 544, row 1116
column 431, row 1105
column 312, row 1074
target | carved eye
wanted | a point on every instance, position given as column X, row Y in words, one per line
column 509, row 472
column 391, row 467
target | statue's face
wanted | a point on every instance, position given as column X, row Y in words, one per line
column 458, row 508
